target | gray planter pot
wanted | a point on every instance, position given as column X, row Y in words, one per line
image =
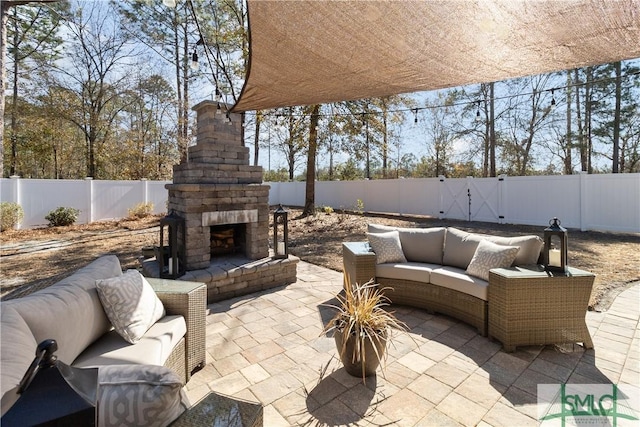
column 359, row 367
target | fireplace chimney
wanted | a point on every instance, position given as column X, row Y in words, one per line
column 215, row 186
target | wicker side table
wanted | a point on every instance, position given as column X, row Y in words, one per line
column 529, row 306
column 190, row 300
column 359, row 262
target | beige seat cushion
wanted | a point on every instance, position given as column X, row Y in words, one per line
column 152, row 349
column 456, row 279
column 418, row 244
column 414, row 271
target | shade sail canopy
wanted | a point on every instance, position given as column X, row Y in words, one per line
column 308, row 52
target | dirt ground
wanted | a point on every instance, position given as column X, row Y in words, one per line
column 42, row 256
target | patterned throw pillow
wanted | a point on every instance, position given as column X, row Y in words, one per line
column 130, row 304
column 490, row 255
column 387, row 247
column 138, row 395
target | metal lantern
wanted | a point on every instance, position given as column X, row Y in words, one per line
column 555, row 247
column 171, row 257
column 280, row 233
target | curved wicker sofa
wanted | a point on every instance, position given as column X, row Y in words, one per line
column 434, row 274
column 70, row 312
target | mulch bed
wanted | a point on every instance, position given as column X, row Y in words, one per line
column 39, row 257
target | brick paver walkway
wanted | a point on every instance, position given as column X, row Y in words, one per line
column 267, row 347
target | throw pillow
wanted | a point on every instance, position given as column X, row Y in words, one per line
column 138, row 395
column 387, row 247
column 489, row 255
column 130, row 304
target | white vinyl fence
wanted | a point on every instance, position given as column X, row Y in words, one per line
column 97, row 200
column 607, row 202
column 604, row 202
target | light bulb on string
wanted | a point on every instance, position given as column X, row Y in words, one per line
column 169, row 3
column 478, row 113
column 415, row 116
column 218, row 98
column 194, row 61
column 553, row 99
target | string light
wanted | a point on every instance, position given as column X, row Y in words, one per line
column 415, row 116
column 466, row 103
column 218, row 98
column 194, row 61
column 169, row 3
column 553, row 99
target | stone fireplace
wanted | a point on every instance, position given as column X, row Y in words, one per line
column 225, row 206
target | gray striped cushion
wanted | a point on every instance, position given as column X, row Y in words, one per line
column 386, row 246
column 131, row 304
column 138, row 395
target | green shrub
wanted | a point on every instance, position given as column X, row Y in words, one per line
column 140, row 210
column 359, row 207
column 327, row 209
column 62, row 216
column 11, row 214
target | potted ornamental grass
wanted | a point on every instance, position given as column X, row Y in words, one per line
column 362, row 327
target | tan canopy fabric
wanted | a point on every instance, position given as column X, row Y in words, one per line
column 307, row 52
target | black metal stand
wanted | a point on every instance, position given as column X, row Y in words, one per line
column 45, row 398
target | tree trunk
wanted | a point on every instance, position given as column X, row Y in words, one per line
column 588, row 107
column 4, row 19
column 616, row 120
column 310, row 193
column 492, row 132
column 256, row 139
column 581, row 139
column 568, row 169
column 184, row 119
column 14, row 101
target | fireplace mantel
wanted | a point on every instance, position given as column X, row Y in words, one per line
column 244, row 216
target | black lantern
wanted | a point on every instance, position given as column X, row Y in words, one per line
column 280, row 233
column 555, row 247
column 170, row 259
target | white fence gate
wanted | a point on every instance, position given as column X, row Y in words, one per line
column 606, row 202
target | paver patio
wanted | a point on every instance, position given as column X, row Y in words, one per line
column 267, row 347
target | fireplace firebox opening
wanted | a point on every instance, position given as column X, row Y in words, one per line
column 227, row 239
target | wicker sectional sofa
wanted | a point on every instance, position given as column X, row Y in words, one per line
column 443, row 270
column 71, row 312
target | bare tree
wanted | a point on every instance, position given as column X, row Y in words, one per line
column 94, row 78
column 4, row 19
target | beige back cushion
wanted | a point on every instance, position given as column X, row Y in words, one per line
column 69, row 311
column 460, row 246
column 17, row 347
column 418, row 244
